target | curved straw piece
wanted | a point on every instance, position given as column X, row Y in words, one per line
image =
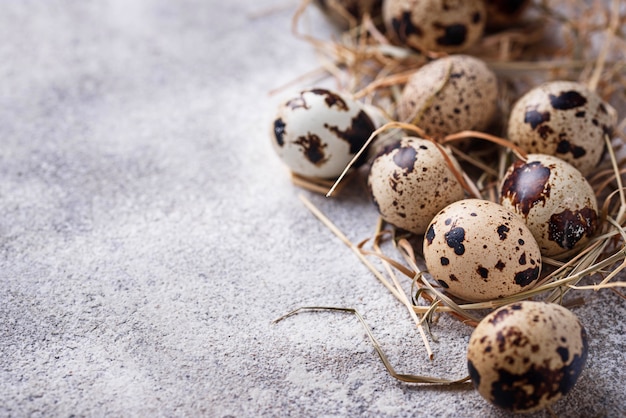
column 371, row 138
column 408, row 127
column 409, row 378
column 519, row 152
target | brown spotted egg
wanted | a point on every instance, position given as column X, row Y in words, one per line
column 564, row 119
column 450, row 95
column 317, row 133
column 477, row 250
column 434, row 25
column 525, row 356
column 411, row 182
column 554, row 198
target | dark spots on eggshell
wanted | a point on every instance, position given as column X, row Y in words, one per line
column 505, row 390
column 526, row 277
column 567, row 100
column 569, row 227
column 511, row 337
column 546, row 381
column 454, row 239
column 394, row 180
column 563, row 353
column 544, row 131
column 580, row 114
column 499, row 315
column 483, row 272
column 476, row 17
column 404, row 27
column 443, row 284
column 313, row 148
column 405, row 158
column 503, row 230
column 474, row 375
column 453, row 278
column 500, row 265
column 357, row 133
column 535, row 118
column 454, row 35
column 527, row 185
column 456, row 74
column 564, row 147
column 522, row 259
column 430, row 234
column 473, row 214
column 520, row 241
column 332, row 99
column 448, row 221
column 445, row 261
column 279, row 131
column 388, row 148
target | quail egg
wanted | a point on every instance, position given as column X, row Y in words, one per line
column 525, row 356
column 554, row 198
column 477, row 250
column 410, row 183
column 434, row 25
column 564, row 119
column 450, row 95
column 317, row 133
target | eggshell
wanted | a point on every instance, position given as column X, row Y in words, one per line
column 564, row 119
column 450, row 95
column 434, row 25
column 554, row 198
column 525, row 356
column 410, row 183
column 478, row 250
column 317, row 133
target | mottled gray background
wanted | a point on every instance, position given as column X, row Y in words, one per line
column 149, row 236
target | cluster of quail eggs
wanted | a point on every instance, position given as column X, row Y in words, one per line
column 524, row 356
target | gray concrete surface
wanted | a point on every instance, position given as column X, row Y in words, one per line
column 149, row 236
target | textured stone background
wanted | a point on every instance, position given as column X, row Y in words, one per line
column 149, row 236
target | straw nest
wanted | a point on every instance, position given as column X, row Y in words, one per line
column 557, row 40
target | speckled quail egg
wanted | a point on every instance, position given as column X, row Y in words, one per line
column 410, row 183
column 317, row 133
column 340, row 11
column 434, row 25
column 554, row 198
column 450, row 95
column 525, row 356
column 478, row 250
column 502, row 13
column 564, row 119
